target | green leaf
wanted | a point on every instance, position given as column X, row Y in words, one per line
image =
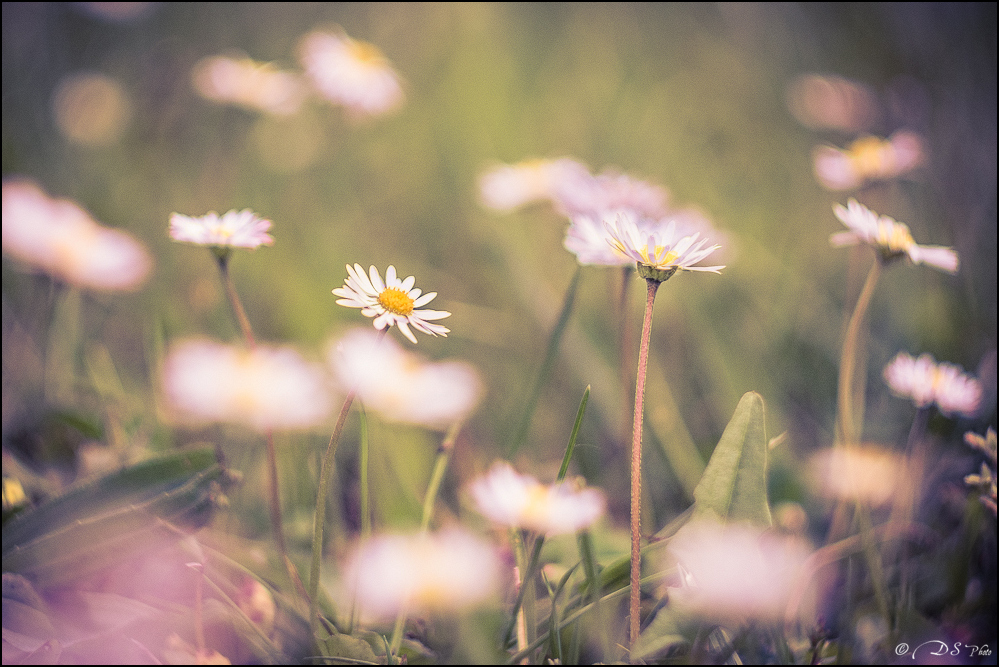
column 734, row 484
column 127, row 512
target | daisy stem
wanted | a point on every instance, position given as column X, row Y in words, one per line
column 319, row 520
column 362, row 474
column 277, row 525
column 437, row 476
column 848, row 433
column 636, row 468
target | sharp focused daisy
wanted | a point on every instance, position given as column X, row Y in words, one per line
column 892, row 239
column 391, row 302
column 351, row 73
column 660, row 251
column 235, row 229
column 925, row 382
column 520, row 501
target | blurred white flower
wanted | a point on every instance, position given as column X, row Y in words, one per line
column 244, row 82
column 392, row 302
column 506, row 187
column 58, row 237
column 350, row 73
column 611, row 190
column 735, row 572
column 266, row 388
column 659, row 248
column 235, row 229
column 821, row 101
column 925, row 382
column 401, row 386
column 869, row 474
column 520, row 501
column 441, row 573
column 868, row 159
column 892, row 239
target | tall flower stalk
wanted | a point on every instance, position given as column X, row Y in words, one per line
column 240, row 229
column 658, row 256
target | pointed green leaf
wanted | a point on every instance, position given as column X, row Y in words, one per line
column 734, row 485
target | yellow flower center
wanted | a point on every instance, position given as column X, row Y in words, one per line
column 366, row 53
column 894, row 237
column 668, row 258
column 869, row 155
column 396, row 301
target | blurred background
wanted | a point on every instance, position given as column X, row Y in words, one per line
column 708, row 100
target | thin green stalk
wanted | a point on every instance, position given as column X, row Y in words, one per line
column 319, row 521
column 274, row 495
column 436, row 477
column 528, row 571
column 365, row 506
column 590, row 569
column 848, row 432
column 634, row 605
column 551, row 353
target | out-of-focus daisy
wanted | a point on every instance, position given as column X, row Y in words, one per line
column 659, row 252
column 391, row 302
column 235, row 229
column 821, row 101
column 351, row 73
column 401, row 386
column 610, row 190
column 892, row 239
column 735, row 572
column 423, row 573
column 868, row 159
column 267, row 388
column 506, row 187
column 519, row 501
column 244, row 82
column 925, row 382
column 58, row 237
column 869, row 474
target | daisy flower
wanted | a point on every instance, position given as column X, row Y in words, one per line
column 235, row 229
column 244, row 82
column 610, row 190
column 730, row 572
column 866, row 473
column 351, row 73
column 266, row 388
column 391, row 302
column 659, row 252
column 867, row 159
column 506, row 187
column 925, row 382
column 425, row 572
column 520, row 501
column 892, row 239
column 60, row 238
column 402, row 386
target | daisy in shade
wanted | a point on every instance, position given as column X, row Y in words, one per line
column 660, row 251
column 391, row 302
column 892, row 239
column 235, row 229
column 925, row 382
